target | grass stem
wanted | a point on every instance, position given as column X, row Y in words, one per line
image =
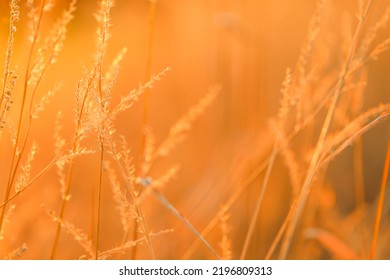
column 381, row 202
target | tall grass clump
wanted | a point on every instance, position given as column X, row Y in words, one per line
column 285, row 150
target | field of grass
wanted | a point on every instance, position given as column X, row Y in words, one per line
column 199, row 129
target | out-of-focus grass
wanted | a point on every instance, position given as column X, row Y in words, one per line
column 243, row 46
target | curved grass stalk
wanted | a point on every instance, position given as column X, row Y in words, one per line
column 159, row 196
column 253, row 176
column 261, row 168
column 15, row 161
column 297, row 211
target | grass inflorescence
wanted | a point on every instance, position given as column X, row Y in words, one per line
column 141, row 130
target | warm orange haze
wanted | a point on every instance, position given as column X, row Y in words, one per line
column 198, row 129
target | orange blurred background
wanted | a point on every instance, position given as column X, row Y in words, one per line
column 243, row 46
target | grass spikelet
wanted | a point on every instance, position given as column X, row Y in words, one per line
column 126, row 210
column 17, row 253
column 128, row 165
column 7, row 220
column 312, row 34
column 338, row 142
column 379, row 49
column 299, row 78
column 320, row 143
column 123, row 160
column 179, row 130
column 45, row 100
column 103, row 18
column 25, row 175
column 10, row 77
column 59, row 144
column 286, row 101
column 150, row 147
column 112, row 73
column 365, row 54
column 37, row 16
column 48, row 53
column 84, row 89
column 373, row 33
column 360, row 9
column 78, row 235
column 6, row 102
column 128, row 100
column 277, row 160
column 290, row 159
column 68, row 157
column 49, row 5
column 226, row 243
